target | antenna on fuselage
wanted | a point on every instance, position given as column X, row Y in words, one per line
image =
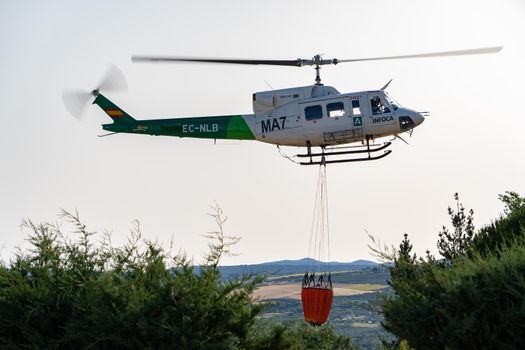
column 267, row 83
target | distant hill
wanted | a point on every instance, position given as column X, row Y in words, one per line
column 305, row 261
column 288, row 267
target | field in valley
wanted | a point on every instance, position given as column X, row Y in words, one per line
column 293, row 290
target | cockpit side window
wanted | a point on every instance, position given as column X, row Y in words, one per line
column 392, row 102
column 378, row 107
column 336, row 109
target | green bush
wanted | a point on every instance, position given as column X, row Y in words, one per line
column 73, row 295
column 501, row 234
column 297, row 335
column 474, row 300
column 478, row 304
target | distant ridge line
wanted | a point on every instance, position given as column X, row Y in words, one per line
column 305, row 261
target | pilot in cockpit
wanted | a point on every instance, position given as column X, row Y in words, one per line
column 376, row 105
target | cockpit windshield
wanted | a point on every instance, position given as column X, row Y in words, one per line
column 392, row 102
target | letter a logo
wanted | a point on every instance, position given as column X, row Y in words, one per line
column 358, row 121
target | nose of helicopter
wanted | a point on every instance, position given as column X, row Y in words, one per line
column 418, row 118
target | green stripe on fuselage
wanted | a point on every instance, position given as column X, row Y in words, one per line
column 238, row 129
column 216, row 127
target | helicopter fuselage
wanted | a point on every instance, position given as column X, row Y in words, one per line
column 314, row 115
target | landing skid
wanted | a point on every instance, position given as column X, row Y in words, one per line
column 326, row 154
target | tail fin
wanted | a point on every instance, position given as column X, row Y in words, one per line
column 112, row 110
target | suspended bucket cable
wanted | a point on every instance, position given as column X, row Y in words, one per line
column 316, row 293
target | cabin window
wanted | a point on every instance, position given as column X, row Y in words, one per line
column 313, row 112
column 336, row 109
column 356, row 108
column 378, row 107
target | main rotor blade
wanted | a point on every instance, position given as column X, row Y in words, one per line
column 295, row 63
column 479, row 51
column 315, row 61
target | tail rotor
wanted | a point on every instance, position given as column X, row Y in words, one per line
column 76, row 101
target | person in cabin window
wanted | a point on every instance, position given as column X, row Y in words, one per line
column 376, row 105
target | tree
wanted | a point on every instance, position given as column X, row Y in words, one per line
column 79, row 295
column 455, row 244
column 475, row 301
column 507, row 231
column 513, row 202
column 405, row 249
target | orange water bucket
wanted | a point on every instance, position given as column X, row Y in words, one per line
column 317, row 303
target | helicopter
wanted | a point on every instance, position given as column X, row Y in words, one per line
column 306, row 116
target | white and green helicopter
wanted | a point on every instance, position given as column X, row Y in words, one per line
column 306, row 116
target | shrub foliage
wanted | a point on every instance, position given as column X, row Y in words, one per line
column 472, row 299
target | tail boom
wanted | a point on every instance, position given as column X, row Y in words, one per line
column 235, row 127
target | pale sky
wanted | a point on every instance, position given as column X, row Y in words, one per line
column 471, row 143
